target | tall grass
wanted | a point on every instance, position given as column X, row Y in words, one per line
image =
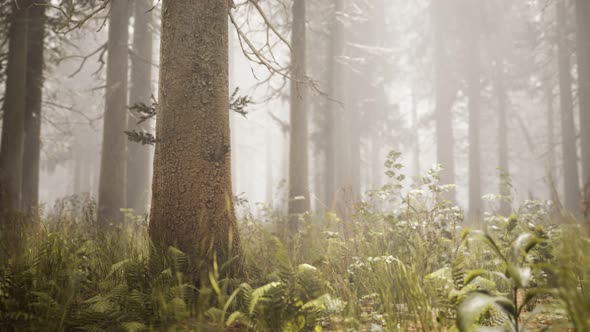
column 397, row 262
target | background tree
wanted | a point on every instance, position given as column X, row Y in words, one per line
column 111, row 190
column 583, row 56
column 140, row 91
column 473, row 81
column 11, row 150
column 571, row 180
column 335, row 106
column 299, row 201
column 444, row 93
column 33, row 105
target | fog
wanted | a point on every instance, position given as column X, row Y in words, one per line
column 294, row 165
column 403, row 69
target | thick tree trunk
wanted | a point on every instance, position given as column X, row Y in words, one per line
column 111, row 191
column 444, row 97
column 583, row 47
column 571, row 179
column 11, row 150
column 139, row 161
column 298, row 168
column 192, row 203
column 335, row 107
column 32, row 124
column 474, row 95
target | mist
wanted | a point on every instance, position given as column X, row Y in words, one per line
column 217, row 128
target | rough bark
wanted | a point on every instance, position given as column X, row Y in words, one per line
column 298, row 168
column 443, row 97
column 111, row 191
column 11, row 150
column 139, row 156
column 571, row 181
column 583, row 55
column 32, row 118
column 192, row 203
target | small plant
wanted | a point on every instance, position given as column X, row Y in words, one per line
column 517, row 273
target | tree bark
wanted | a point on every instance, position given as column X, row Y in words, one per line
column 444, row 97
column 139, row 156
column 11, row 150
column 298, row 169
column 111, row 192
column 571, row 179
column 583, row 55
column 34, row 97
column 192, row 203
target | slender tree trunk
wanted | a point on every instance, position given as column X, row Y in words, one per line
column 11, row 150
column 583, row 47
column 502, row 99
column 192, row 203
column 139, row 156
column 355, row 150
column 32, row 124
column 269, row 170
column 444, row 97
column 335, row 107
column 549, row 98
column 474, row 95
column 416, row 154
column 571, row 179
column 111, row 189
column 298, row 168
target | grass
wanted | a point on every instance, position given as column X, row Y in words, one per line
column 408, row 264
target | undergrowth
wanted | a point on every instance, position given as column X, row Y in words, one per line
column 401, row 260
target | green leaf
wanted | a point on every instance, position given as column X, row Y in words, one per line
column 521, row 275
column 214, row 284
column 524, row 243
column 487, row 239
column 470, row 310
column 259, row 293
column 474, row 274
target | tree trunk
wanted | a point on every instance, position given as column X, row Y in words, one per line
column 335, row 108
column 444, row 97
column 192, row 203
column 139, row 156
column 11, row 150
column 32, row 123
column 355, row 150
column 111, row 189
column 503, row 165
column 474, row 95
column 549, row 98
column 416, row 128
column 298, row 169
column 583, row 41
column 571, row 179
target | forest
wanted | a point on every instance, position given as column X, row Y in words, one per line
column 295, row 165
